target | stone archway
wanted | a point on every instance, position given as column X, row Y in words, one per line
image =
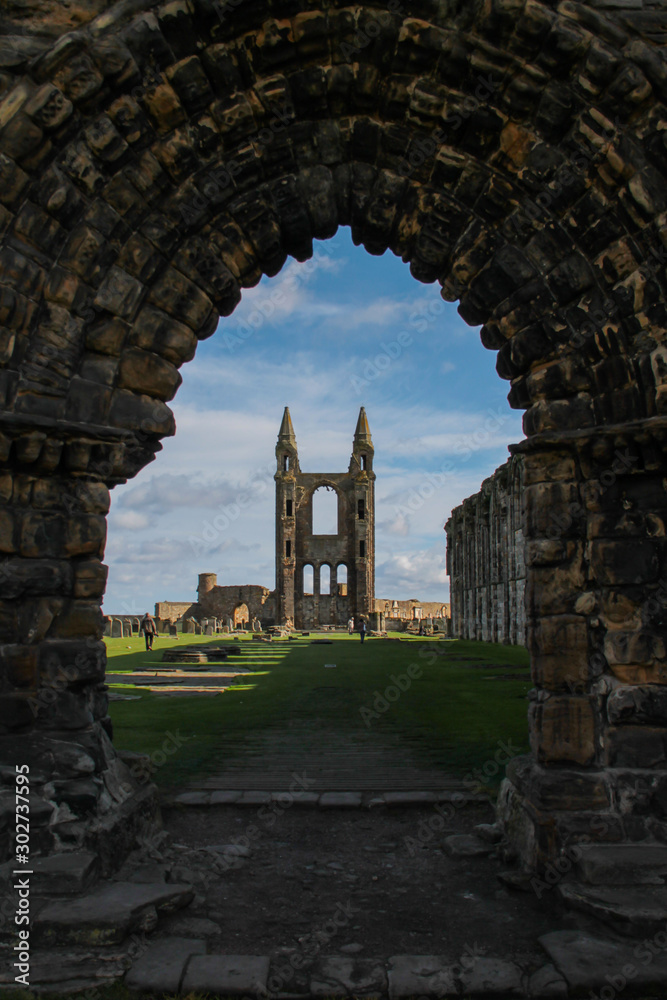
column 241, row 616
column 162, row 156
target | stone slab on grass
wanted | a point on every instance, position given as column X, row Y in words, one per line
column 631, row 910
column 410, row 798
column 623, row 864
column 289, row 799
column 344, row 976
column 233, row 975
column 254, row 799
column 420, row 975
column 161, row 966
column 491, row 977
column 192, row 799
column 224, row 798
column 590, row 963
column 106, row 915
column 340, row 800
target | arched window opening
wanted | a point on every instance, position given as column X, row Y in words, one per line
column 361, row 509
column 341, row 580
column 325, row 511
column 241, row 616
column 308, row 580
column 285, row 463
column 364, row 460
column 325, row 579
column 289, row 507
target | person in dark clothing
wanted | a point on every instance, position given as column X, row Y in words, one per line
column 149, row 628
column 362, row 629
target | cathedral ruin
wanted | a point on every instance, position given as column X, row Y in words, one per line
column 341, row 565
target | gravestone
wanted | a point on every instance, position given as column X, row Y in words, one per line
column 127, row 630
column 198, row 629
column 116, row 629
column 173, row 630
column 189, row 626
column 209, row 630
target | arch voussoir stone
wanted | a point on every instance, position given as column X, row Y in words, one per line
column 157, row 158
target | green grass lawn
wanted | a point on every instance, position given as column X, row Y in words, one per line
column 465, row 699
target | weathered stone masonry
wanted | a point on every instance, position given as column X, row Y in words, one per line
column 160, row 158
column 486, row 560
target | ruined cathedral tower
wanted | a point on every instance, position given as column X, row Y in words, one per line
column 324, row 579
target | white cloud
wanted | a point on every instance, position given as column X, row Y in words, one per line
column 130, row 520
column 446, row 367
column 421, row 573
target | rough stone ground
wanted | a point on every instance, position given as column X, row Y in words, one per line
column 384, row 867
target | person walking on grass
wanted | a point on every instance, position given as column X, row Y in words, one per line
column 362, row 629
column 350, row 626
column 149, row 628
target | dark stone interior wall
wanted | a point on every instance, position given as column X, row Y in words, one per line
column 486, row 560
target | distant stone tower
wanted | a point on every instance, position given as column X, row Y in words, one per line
column 349, row 554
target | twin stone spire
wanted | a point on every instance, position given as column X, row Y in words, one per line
column 362, row 446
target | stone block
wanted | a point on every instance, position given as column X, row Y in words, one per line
column 343, row 976
column 107, row 914
column 90, row 578
column 421, row 976
column 563, row 730
column 547, row 984
column 139, row 412
column 464, row 845
column 64, row 874
column 624, row 561
column 160, row 968
column 588, row 963
column 227, row 975
column 181, row 298
column 622, row 864
column 629, row 910
column 254, row 798
column 156, row 331
column 646, row 704
column 636, row 746
column 164, row 108
column 490, row 976
column 340, row 800
column 148, row 373
column 223, row 798
column 119, row 293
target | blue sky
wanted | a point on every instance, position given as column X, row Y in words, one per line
column 341, row 331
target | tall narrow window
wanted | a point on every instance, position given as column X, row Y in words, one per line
column 288, row 548
column 325, row 579
column 308, row 580
column 364, row 459
column 288, row 508
column 341, row 580
column 325, row 511
column 285, row 463
column 361, row 509
column 362, row 549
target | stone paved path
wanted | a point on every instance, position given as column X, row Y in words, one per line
column 332, row 760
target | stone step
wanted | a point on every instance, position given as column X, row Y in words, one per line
column 629, row 910
column 161, row 967
column 58, row 874
column 608, row 967
column 622, row 864
column 108, row 914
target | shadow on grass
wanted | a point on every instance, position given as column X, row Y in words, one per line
column 450, row 702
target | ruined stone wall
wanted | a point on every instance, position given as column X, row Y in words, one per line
column 171, row 611
column 222, row 602
column 404, row 610
column 486, row 562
